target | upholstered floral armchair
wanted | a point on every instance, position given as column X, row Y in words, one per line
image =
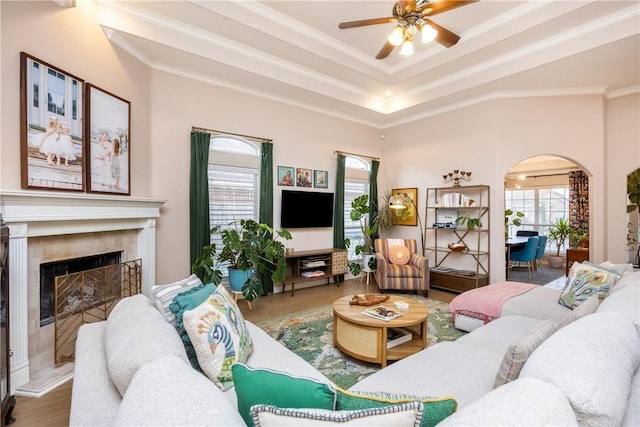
column 400, row 267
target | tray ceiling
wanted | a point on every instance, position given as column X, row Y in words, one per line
column 293, row 51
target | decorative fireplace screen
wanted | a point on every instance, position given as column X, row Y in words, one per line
column 89, row 296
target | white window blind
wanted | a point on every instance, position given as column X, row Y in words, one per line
column 234, row 183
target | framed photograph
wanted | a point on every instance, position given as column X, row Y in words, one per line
column 447, row 217
column 303, row 177
column 285, row 176
column 320, row 179
column 108, row 142
column 408, row 215
column 51, row 127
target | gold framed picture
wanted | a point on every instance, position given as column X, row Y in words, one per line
column 408, row 215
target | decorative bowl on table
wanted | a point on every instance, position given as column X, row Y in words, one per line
column 457, row 247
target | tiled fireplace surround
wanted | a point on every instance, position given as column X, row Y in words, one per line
column 51, row 226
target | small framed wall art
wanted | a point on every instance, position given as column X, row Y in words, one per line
column 408, row 215
column 285, row 176
column 303, row 177
column 109, row 144
column 51, row 127
column 320, row 179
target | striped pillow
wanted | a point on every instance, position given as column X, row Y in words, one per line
column 163, row 295
column 518, row 353
column 406, row 414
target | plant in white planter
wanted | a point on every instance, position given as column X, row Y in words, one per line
column 360, row 211
column 559, row 231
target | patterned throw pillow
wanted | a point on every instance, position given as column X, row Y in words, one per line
column 584, row 281
column 163, row 295
column 219, row 336
column 268, row 387
column 184, row 301
column 402, row 415
column 435, row 409
column 518, row 353
column 399, row 255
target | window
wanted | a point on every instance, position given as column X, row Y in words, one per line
column 234, row 182
column 541, row 206
column 356, row 184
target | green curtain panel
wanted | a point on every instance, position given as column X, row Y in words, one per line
column 199, row 226
column 338, row 205
column 266, row 201
column 373, row 193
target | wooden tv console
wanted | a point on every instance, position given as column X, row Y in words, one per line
column 304, row 266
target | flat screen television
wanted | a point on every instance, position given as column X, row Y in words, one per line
column 306, row 209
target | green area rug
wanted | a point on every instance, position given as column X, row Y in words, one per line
column 309, row 334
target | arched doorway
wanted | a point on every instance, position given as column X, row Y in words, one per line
column 542, row 193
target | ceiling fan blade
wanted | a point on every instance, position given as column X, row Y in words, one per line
column 385, row 51
column 407, row 5
column 364, row 22
column 436, row 7
column 445, row 37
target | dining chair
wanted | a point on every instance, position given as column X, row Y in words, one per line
column 528, row 254
column 542, row 243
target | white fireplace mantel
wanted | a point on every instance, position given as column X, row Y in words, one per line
column 37, row 214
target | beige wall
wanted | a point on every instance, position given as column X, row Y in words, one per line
column 622, row 157
column 71, row 40
column 490, row 138
column 487, row 138
column 300, row 139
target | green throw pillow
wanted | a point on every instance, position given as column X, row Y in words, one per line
column 186, row 301
column 267, row 387
column 435, row 409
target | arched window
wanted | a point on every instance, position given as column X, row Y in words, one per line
column 356, row 183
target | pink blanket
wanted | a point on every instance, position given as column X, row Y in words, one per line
column 486, row 302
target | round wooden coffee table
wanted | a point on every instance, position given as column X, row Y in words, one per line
column 365, row 338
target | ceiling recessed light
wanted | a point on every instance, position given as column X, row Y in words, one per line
column 388, row 93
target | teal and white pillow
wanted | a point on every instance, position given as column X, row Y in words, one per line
column 268, row 387
column 219, row 336
column 435, row 409
column 585, row 280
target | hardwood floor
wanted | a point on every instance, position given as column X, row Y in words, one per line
column 52, row 410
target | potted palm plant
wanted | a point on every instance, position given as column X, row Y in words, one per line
column 249, row 249
column 360, row 211
column 559, row 231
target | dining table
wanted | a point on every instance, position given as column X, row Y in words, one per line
column 517, row 243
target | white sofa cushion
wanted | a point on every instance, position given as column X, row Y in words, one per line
column 498, row 335
column 92, row 385
column 632, row 416
column 461, row 371
column 137, row 333
column 627, row 279
column 592, row 361
column 524, row 402
column 625, row 301
column 539, row 303
column 168, row 391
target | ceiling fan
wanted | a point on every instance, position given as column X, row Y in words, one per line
column 411, row 17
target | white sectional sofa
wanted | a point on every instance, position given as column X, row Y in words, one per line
column 132, row 370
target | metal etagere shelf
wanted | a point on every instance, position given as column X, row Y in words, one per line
column 459, row 253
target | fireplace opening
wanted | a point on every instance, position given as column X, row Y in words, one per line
column 49, row 272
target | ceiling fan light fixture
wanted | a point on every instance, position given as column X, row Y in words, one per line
column 397, row 36
column 428, row 33
column 407, row 47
